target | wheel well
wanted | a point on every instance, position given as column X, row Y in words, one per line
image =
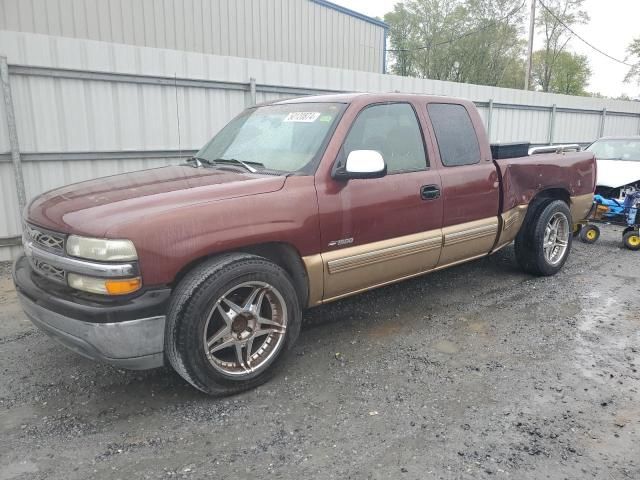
column 282, row 254
column 541, row 198
column 551, row 194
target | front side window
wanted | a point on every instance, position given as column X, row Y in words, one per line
column 455, row 135
column 284, row 138
column 393, row 131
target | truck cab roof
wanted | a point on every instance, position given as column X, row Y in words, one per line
column 362, row 97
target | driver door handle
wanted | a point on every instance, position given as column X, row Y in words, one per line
column 429, row 192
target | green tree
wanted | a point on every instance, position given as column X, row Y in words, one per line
column 474, row 41
column 634, row 56
column 513, row 75
column 554, row 18
column 570, row 74
column 402, row 38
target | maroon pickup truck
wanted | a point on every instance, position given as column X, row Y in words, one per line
column 207, row 265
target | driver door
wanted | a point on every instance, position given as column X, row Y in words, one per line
column 379, row 230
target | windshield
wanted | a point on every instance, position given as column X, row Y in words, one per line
column 616, row 149
column 283, row 137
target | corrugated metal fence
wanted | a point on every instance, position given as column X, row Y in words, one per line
column 86, row 109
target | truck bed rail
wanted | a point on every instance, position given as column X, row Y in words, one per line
column 572, row 147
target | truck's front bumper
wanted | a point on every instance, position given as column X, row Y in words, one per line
column 136, row 342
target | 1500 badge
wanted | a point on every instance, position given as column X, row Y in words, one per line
column 342, row 241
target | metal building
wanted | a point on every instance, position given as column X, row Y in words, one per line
column 312, row 32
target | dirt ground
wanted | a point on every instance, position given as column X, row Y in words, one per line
column 476, row 372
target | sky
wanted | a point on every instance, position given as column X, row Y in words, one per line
column 613, row 25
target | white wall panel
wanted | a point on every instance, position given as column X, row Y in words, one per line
column 9, row 253
column 510, row 125
column 576, row 127
column 619, row 125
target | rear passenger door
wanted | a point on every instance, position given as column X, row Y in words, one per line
column 375, row 231
column 470, row 184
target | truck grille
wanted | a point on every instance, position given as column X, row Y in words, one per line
column 46, row 239
column 49, row 271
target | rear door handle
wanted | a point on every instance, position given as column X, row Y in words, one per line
column 429, row 192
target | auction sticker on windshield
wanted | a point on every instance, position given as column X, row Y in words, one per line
column 306, row 117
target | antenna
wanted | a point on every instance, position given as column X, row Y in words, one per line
column 175, row 84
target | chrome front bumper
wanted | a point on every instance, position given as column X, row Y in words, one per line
column 134, row 344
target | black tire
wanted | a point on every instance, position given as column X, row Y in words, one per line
column 577, row 228
column 529, row 244
column 590, row 234
column 631, row 240
column 187, row 319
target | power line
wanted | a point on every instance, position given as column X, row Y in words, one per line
column 464, row 35
column 580, row 38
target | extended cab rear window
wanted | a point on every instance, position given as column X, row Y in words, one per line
column 455, row 135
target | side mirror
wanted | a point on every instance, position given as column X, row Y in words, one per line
column 360, row 164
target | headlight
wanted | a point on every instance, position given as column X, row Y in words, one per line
column 116, row 286
column 101, row 249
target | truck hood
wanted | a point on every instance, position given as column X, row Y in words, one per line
column 95, row 207
column 617, row 173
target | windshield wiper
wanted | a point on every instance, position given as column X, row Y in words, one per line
column 198, row 162
column 235, row 161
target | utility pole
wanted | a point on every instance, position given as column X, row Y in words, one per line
column 532, row 25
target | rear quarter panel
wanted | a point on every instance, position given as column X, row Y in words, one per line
column 525, row 177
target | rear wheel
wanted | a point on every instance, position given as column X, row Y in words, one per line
column 631, row 240
column 543, row 244
column 230, row 321
column 590, row 234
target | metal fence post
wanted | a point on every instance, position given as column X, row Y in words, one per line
column 552, row 125
column 603, row 120
column 13, row 133
column 252, row 91
column 489, row 119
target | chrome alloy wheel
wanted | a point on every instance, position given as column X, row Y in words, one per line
column 556, row 238
column 245, row 329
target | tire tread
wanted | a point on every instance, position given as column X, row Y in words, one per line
column 528, row 245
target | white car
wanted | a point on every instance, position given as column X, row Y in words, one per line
column 618, row 161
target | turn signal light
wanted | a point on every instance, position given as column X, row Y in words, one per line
column 122, row 286
column 118, row 286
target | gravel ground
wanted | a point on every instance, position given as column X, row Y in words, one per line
column 479, row 371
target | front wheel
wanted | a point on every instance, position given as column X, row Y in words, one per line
column 230, row 321
column 543, row 244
